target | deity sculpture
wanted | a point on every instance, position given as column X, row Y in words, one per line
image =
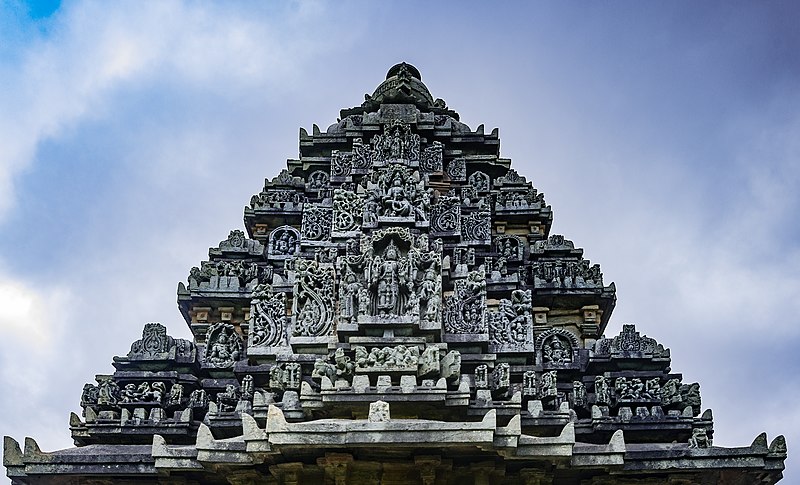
column 396, row 202
column 224, row 346
column 554, row 351
column 389, row 280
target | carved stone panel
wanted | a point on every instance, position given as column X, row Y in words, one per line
column 284, row 242
column 313, row 305
column 480, row 181
column 348, row 209
column 464, row 311
column 511, row 327
column 446, row 217
column 456, row 170
column 476, row 227
column 431, row 160
column 223, row 346
column 316, row 223
column 268, row 329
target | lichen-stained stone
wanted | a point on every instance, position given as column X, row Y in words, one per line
column 395, row 310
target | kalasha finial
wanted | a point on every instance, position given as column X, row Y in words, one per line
column 404, row 68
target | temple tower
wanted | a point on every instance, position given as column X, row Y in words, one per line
column 396, row 310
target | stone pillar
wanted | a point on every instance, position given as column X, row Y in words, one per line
column 482, row 472
column 395, row 474
column 288, row 473
column 427, row 466
column 365, row 473
column 247, row 476
column 336, row 466
column 531, row 476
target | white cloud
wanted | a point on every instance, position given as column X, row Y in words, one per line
column 95, row 51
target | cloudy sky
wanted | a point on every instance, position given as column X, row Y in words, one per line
column 666, row 136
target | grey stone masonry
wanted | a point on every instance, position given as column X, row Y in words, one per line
column 395, row 310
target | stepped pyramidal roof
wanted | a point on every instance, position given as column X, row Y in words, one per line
column 396, row 310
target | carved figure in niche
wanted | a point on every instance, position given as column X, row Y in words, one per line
column 152, row 392
column 412, row 305
column 511, row 326
column 108, row 391
column 363, row 302
column 318, row 180
column 247, row 387
column 556, row 351
column 629, row 389
column 422, row 204
column 670, row 393
column 324, row 369
column 349, row 289
column 395, row 143
column 602, row 391
column 430, row 293
column 89, row 397
column 501, row 376
column 547, row 386
column 224, row 346
column 482, row 377
column 510, row 247
column 344, row 366
column 700, row 439
column 387, row 357
column 325, row 255
column 175, row 395
column 652, row 389
column 465, row 308
column 285, row 376
column 396, row 202
column 198, row 399
column 371, row 208
column 529, row 383
column 389, row 280
column 227, row 400
column 129, row 393
column 578, row 394
column 283, row 241
column 480, row 181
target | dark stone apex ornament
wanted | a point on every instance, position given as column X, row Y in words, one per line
column 396, row 311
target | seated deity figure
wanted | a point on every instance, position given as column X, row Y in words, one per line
column 554, row 351
column 224, row 350
column 395, row 202
column 284, row 244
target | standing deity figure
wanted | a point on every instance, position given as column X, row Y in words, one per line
column 350, row 291
column 388, row 279
column 429, row 294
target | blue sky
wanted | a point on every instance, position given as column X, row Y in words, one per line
column 666, row 136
